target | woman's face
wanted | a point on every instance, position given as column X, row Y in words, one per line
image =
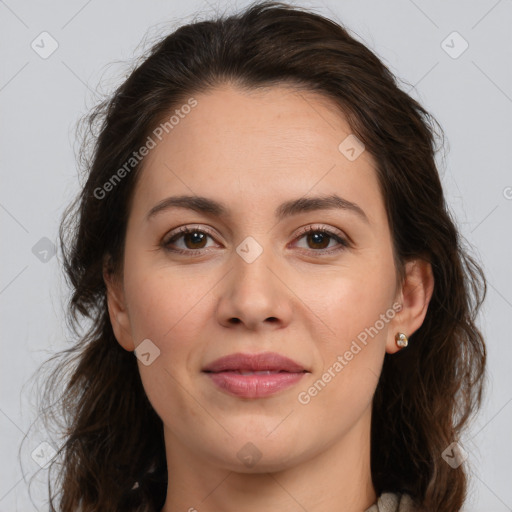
column 248, row 279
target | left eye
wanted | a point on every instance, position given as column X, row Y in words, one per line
column 319, row 236
column 195, row 239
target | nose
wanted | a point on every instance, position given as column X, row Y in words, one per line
column 255, row 295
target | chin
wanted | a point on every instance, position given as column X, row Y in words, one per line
column 258, row 453
column 251, row 459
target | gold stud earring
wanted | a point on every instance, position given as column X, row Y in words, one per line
column 401, row 340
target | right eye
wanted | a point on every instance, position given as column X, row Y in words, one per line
column 193, row 238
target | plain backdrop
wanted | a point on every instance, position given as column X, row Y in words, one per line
column 454, row 57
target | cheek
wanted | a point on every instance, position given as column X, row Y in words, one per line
column 355, row 298
column 163, row 308
column 160, row 300
column 167, row 306
column 342, row 389
column 357, row 307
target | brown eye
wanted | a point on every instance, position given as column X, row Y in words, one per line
column 193, row 239
column 318, row 239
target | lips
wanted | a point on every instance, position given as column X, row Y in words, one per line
column 254, row 375
column 269, row 362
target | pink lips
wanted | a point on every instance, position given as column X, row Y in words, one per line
column 254, row 375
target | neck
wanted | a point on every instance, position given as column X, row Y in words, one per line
column 337, row 478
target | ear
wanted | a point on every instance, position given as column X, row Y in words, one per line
column 117, row 310
column 414, row 295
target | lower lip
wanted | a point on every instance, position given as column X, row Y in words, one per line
column 256, row 385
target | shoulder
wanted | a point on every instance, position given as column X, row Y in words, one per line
column 393, row 502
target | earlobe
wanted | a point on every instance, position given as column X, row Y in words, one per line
column 415, row 295
column 118, row 313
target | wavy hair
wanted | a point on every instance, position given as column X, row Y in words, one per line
column 113, row 455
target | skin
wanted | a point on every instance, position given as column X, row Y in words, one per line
column 253, row 151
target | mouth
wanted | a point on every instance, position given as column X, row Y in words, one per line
column 258, row 372
column 254, row 375
column 263, row 362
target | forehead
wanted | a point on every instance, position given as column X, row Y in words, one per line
column 256, row 146
column 279, row 120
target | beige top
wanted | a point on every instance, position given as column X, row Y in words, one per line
column 391, row 502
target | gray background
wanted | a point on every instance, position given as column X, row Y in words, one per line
column 41, row 100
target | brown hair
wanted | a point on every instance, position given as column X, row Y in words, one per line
column 113, row 457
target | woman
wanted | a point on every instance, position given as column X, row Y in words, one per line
column 282, row 311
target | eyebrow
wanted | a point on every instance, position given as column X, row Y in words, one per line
column 287, row 209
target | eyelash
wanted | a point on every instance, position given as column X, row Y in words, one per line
column 310, row 229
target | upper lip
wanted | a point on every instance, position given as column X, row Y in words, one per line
column 254, row 362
